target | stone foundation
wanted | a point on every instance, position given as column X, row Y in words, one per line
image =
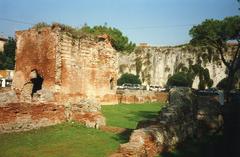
column 27, row 116
column 21, row 116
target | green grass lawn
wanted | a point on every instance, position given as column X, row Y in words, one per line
column 127, row 116
column 64, row 140
column 74, row 140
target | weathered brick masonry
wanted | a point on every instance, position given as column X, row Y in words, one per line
column 58, row 78
column 26, row 116
column 85, row 67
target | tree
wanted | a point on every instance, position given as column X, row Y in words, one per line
column 223, row 83
column 7, row 57
column 183, row 74
column 203, row 74
column 128, row 78
column 118, row 40
column 180, row 79
column 218, row 34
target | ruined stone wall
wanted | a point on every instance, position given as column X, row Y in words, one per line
column 134, row 97
column 157, row 64
column 141, row 96
column 186, row 116
column 35, row 50
column 18, row 115
column 27, row 116
column 71, row 67
column 23, row 116
column 88, row 67
column 58, row 78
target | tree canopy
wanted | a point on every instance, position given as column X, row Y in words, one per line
column 218, row 34
column 185, row 76
column 7, row 57
column 118, row 40
column 180, row 79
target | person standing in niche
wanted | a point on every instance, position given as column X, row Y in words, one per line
column 36, row 80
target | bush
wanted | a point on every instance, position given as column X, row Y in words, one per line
column 128, row 78
column 180, row 79
column 222, row 85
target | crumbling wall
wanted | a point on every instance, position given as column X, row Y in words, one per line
column 27, row 116
column 21, row 116
column 88, row 67
column 184, row 117
column 141, row 96
column 70, row 67
column 36, row 49
column 57, row 79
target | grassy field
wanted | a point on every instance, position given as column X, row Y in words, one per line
column 71, row 140
column 127, row 116
column 74, row 140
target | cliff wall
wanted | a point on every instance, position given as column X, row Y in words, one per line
column 155, row 65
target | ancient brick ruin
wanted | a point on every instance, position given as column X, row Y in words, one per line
column 69, row 67
column 58, row 78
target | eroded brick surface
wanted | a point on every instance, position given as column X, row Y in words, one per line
column 84, row 67
column 27, row 116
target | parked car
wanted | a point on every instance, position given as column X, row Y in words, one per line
column 154, row 87
column 157, row 88
column 136, row 86
column 120, row 87
column 127, row 86
column 162, row 89
column 130, row 86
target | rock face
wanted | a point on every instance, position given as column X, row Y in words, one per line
column 156, row 64
column 208, row 115
column 84, row 67
column 176, row 122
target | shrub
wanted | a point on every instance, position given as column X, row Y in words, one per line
column 128, row 78
column 180, row 79
column 223, row 83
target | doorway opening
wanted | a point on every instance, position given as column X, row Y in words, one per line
column 111, row 83
column 37, row 81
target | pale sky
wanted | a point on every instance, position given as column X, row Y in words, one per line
column 156, row 22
